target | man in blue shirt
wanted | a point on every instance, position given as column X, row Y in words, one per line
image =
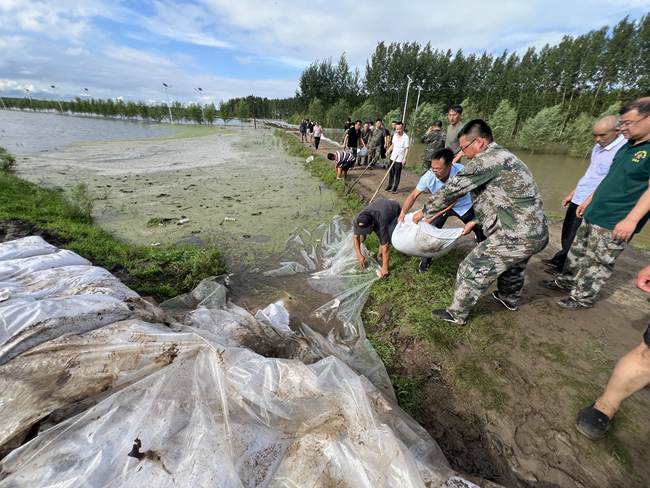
column 433, row 180
column 608, row 141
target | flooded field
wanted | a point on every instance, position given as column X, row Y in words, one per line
column 28, row 132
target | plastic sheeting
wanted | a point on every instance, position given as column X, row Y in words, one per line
column 423, row 239
column 165, row 403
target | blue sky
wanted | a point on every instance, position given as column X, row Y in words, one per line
column 238, row 47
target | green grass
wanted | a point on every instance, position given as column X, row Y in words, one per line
column 161, row 272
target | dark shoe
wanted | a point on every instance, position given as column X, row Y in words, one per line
column 571, row 304
column 388, row 188
column 393, row 191
column 553, row 285
column 424, row 265
column 509, row 304
column 592, row 423
column 441, row 313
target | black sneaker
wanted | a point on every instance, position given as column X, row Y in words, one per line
column 388, row 188
column 553, row 285
column 441, row 313
column 571, row 303
column 393, row 191
column 592, row 423
column 506, row 303
column 424, row 265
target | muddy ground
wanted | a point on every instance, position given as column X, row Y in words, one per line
column 553, row 362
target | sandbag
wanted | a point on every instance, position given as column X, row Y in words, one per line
column 422, row 239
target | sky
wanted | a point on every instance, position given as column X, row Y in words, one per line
column 230, row 48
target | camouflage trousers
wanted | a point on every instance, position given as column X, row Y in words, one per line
column 498, row 258
column 590, row 262
column 374, row 154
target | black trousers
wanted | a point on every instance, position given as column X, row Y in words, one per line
column 569, row 229
column 465, row 218
column 394, row 176
column 316, row 141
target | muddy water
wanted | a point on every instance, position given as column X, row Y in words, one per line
column 27, row 132
column 235, row 189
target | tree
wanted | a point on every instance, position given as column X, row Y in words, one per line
column 394, row 114
column 316, row 110
column 425, row 115
column 366, row 112
column 541, row 130
column 337, row 114
column 226, row 112
column 503, row 122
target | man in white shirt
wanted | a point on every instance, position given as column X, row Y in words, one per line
column 398, row 149
column 441, row 169
column 608, row 141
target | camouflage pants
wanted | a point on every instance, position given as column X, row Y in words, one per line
column 590, row 262
column 498, row 258
column 374, row 154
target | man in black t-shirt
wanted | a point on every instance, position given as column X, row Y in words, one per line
column 381, row 217
column 353, row 139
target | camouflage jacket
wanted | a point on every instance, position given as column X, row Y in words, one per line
column 434, row 140
column 505, row 195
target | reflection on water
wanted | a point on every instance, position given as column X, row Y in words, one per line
column 30, row 132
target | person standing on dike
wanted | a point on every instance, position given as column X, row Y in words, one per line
column 399, row 150
column 508, row 206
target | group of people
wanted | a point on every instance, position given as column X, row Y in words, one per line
column 495, row 195
column 310, row 132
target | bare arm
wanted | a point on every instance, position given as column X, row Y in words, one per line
column 408, row 203
column 643, row 279
column 567, row 199
column 580, row 211
column 384, row 250
column 624, row 230
column 356, row 241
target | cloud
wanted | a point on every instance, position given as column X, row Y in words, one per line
column 128, row 48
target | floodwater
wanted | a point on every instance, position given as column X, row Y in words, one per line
column 556, row 175
column 235, row 189
column 29, row 132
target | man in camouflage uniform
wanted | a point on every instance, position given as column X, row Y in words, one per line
column 376, row 142
column 434, row 138
column 618, row 209
column 508, row 206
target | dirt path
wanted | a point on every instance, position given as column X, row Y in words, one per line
column 554, row 363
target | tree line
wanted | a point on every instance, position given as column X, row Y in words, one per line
column 557, row 89
column 237, row 108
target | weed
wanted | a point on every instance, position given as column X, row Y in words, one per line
column 82, row 202
column 7, row 160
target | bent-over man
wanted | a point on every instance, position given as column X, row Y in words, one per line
column 508, row 206
column 381, row 217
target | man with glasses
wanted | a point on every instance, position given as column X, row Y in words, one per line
column 508, row 207
column 608, row 141
column 620, row 207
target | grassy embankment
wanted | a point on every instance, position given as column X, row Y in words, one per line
column 474, row 361
column 161, row 272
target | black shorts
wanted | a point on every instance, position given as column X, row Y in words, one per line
column 346, row 165
column 646, row 336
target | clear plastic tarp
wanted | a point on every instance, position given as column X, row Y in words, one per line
column 200, row 392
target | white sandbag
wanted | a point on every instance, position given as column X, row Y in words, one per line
column 422, row 239
column 25, row 248
column 275, row 315
column 17, row 268
column 27, row 323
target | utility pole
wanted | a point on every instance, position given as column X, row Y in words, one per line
column 417, row 102
column 171, row 119
column 199, row 90
column 53, row 87
column 406, row 99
